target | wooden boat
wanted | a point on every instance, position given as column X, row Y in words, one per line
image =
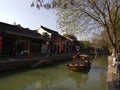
column 78, row 67
column 81, row 65
column 86, row 57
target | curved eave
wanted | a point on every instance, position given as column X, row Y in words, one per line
column 24, row 35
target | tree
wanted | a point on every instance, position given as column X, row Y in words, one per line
column 86, row 44
column 98, row 41
column 102, row 40
column 99, row 14
column 70, row 36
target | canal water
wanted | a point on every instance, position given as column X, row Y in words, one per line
column 58, row 77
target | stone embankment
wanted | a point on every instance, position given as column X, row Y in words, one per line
column 112, row 81
column 18, row 63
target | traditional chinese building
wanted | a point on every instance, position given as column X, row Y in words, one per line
column 54, row 37
column 19, row 40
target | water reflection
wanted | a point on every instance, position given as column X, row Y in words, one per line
column 58, row 77
column 78, row 77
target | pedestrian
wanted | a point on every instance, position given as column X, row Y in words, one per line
column 62, row 47
column 1, row 39
column 40, row 47
column 48, row 46
column 78, row 48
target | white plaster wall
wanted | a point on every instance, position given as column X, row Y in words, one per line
column 41, row 31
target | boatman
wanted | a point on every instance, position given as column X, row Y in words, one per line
column 76, row 58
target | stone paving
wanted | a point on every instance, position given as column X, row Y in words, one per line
column 113, row 80
column 20, row 62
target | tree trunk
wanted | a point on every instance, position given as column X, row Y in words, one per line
column 114, row 51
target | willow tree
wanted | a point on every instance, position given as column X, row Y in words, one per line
column 88, row 15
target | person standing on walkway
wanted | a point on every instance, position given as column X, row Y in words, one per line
column 48, row 46
column 78, row 48
column 62, row 48
column 40, row 47
column 1, row 39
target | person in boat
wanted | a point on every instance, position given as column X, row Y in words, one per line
column 76, row 58
column 82, row 60
column 85, row 61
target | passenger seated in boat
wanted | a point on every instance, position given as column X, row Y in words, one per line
column 76, row 58
column 82, row 59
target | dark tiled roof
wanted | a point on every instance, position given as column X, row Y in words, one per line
column 18, row 30
column 49, row 30
column 62, row 37
column 53, row 32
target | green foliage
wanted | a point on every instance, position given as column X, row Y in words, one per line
column 87, row 44
column 70, row 36
column 77, row 16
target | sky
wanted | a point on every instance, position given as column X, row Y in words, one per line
column 20, row 12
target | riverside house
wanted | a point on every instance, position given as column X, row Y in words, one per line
column 55, row 38
column 18, row 40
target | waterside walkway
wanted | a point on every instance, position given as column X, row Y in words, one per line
column 20, row 62
column 112, row 80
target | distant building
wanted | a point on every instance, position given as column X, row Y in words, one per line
column 54, row 37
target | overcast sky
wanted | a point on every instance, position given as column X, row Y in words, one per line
column 19, row 11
